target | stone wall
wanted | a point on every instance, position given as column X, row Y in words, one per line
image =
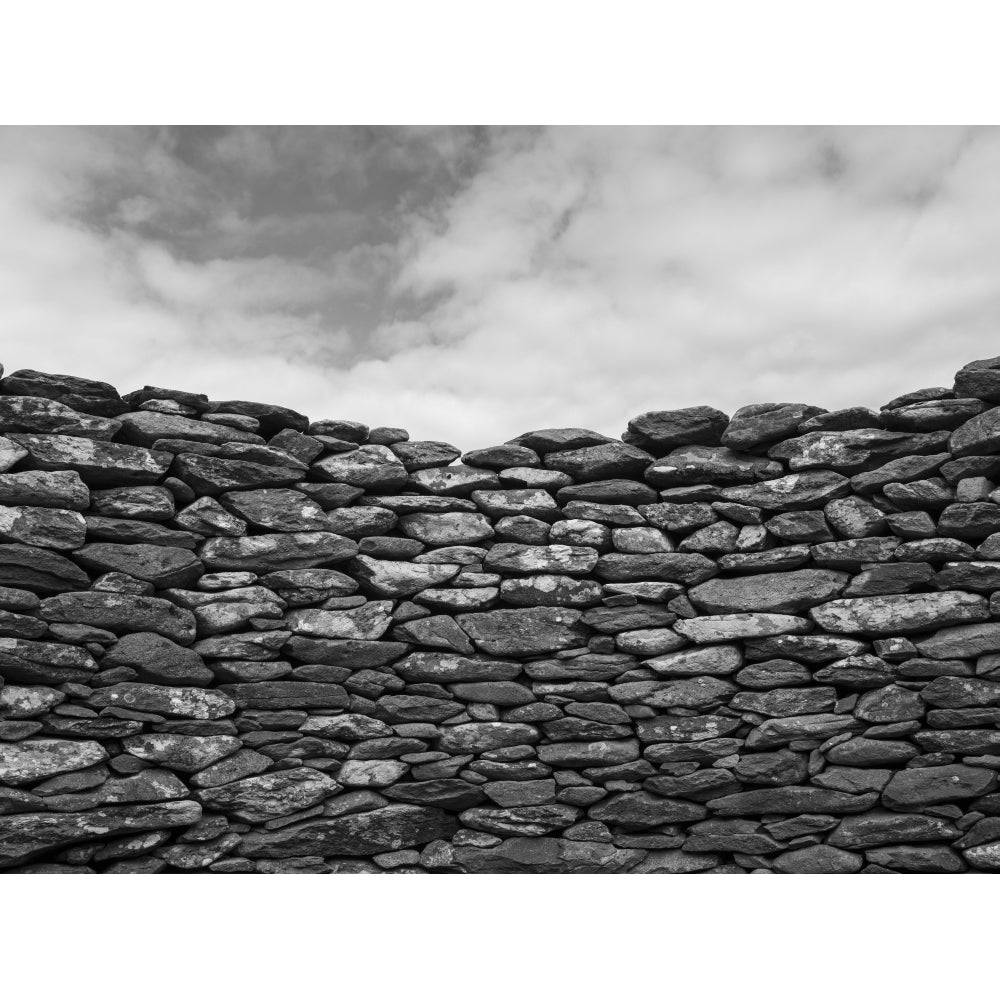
column 234, row 640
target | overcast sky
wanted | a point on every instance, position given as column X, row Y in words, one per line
column 471, row 284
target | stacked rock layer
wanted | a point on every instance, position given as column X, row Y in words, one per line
column 234, row 640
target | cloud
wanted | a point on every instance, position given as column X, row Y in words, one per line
column 471, row 284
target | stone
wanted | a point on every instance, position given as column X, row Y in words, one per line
column 276, row 510
column 524, row 632
column 369, row 621
column 546, row 855
column 160, row 565
column 179, row 702
column 390, row 828
column 511, row 503
column 283, row 551
column 285, row 694
column 29, row 835
column 928, row 786
column 818, row 859
column 64, row 490
column 660, row 431
column 120, row 613
column 791, row 799
column 917, row 859
column 158, row 660
column 506, row 557
column 373, row 467
column 269, row 796
column 695, row 464
column 24, row 661
column 761, row 423
column 900, row 613
column 751, row 625
column 799, row 491
column 389, row 578
column 145, row 428
column 46, row 527
column 98, row 463
column 179, row 752
column 82, row 394
column 768, row 592
column 603, row 461
column 853, row 451
column 531, row 821
column 673, row 567
column 447, row 529
column 27, row 762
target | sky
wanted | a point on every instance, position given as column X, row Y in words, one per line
column 473, row 283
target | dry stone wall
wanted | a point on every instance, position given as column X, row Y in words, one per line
column 233, row 640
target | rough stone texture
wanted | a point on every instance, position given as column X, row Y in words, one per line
column 769, row 643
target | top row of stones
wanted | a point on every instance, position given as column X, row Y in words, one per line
column 751, row 428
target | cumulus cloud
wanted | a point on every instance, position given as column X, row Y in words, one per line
column 471, row 284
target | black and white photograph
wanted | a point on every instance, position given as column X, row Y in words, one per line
column 495, row 499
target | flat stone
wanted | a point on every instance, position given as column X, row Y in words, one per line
column 24, row 661
column 674, row 567
column 680, row 729
column 158, row 660
column 65, row 490
column 268, row 796
column 160, row 565
column 785, row 702
column 286, row 694
column 452, row 794
column 895, row 614
column 362, row 522
column 269, row 552
column 416, row 455
column 447, row 529
column 179, row 752
column 524, row 631
column 792, row 799
column 917, row 859
column 742, row 835
column 637, row 810
column 511, row 503
column 46, row 527
column 725, row 628
column 782, row 731
column 479, row 737
column 855, row 450
column 445, row 668
column 29, row 835
column 550, row 590
column 818, row 859
column 120, row 613
column 799, row 491
column 531, row 821
column 215, row 474
column 390, row 578
column 696, row 464
column 602, row 461
column 719, row 660
column 508, row 557
column 98, row 463
column 961, row 692
column 768, row 592
column 27, row 762
column 962, row 641
column 373, row 467
column 454, row 480
column 35, row 414
column 761, row 423
column 145, row 503
column 659, row 431
column 546, row 856
column 179, row 702
column 369, row 621
column 276, row 510
column 390, row 828
column 927, row 786
column 145, row 427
